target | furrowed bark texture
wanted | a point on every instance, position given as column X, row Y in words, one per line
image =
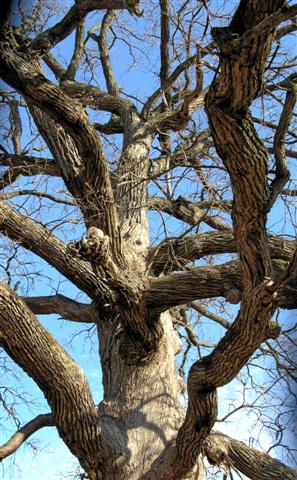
column 60, row 379
column 227, row 452
column 243, row 53
column 141, row 406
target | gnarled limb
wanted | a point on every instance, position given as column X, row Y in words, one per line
column 93, row 97
column 250, row 328
column 243, row 154
column 282, row 173
column 238, row 145
column 77, row 53
column 18, row 438
column 66, row 307
column 60, row 379
column 226, row 453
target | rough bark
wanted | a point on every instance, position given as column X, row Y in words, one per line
column 59, row 378
column 75, row 144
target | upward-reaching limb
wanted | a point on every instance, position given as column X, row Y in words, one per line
column 77, row 146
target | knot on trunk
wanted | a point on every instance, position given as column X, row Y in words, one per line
column 94, row 246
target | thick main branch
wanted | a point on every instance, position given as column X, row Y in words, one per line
column 57, row 375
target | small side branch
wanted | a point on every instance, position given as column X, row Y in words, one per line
column 66, row 307
column 18, row 438
column 111, row 84
column 282, row 173
column 29, row 165
column 164, row 45
column 77, row 53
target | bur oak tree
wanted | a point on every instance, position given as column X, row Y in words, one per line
column 187, row 144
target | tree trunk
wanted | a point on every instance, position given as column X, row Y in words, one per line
column 141, row 409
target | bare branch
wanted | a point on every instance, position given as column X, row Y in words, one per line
column 90, row 96
column 66, row 307
column 183, row 210
column 110, row 128
column 111, row 84
column 177, row 252
column 164, row 46
column 29, row 166
column 292, row 27
column 289, row 153
column 54, row 65
column 77, row 53
column 185, row 154
column 206, row 313
column 209, row 282
column 16, row 124
column 48, row 39
column 36, row 193
column 282, row 173
column 18, row 438
column 173, row 77
column 23, row 165
column 288, row 192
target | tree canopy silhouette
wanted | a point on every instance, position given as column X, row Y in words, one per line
column 144, row 166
